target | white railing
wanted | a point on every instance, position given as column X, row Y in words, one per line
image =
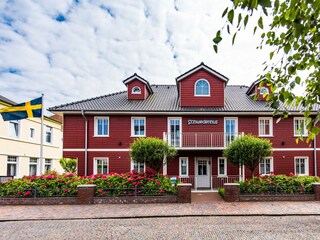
column 218, row 181
column 199, row 139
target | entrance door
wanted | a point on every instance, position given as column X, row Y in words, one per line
column 203, row 173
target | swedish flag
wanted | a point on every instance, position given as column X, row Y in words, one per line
column 32, row 108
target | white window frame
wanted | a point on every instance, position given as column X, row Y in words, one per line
column 270, row 126
column 36, row 164
column 51, row 134
column 225, row 128
column 306, row 166
column 48, row 164
column 187, row 166
column 132, row 126
column 264, row 166
column 32, row 133
column 12, row 131
column 169, row 131
column 296, row 134
column 95, row 162
column 261, row 89
column 225, row 167
column 134, row 162
column 195, row 88
column 16, row 163
column 135, row 87
column 96, row 126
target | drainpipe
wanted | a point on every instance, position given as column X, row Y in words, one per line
column 85, row 144
column 315, row 155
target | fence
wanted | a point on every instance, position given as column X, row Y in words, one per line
column 275, row 190
column 38, row 192
column 136, row 191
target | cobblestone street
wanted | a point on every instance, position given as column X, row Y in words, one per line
column 252, row 227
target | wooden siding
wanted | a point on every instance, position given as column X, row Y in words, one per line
column 120, row 138
column 187, row 97
column 144, row 91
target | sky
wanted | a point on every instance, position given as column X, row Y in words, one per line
column 71, row 50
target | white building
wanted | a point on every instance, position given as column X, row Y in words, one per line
column 20, row 145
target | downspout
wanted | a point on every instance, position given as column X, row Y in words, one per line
column 85, row 144
column 315, row 155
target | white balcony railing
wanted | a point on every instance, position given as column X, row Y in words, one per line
column 200, row 139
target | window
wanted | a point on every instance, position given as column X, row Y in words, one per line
column 101, row 166
column 266, row 166
column 101, row 126
column 14, row 128
column 299, row 127
column 301, row 166
column 222, row 166
column 138, row 126
column 230, row 129
column 183, row 166
column 48, row 134
column 202, row 88
column 47, row 165
column 174, row 131
column 138, row 166
column 31, row 134
column 265, row 126
column 12, row 166
column 136, row 90
column 264, row 90
column 33, row 166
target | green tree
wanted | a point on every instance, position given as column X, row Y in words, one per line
column 248, row 150
column 69, row 165
column 152, row 151
column 293, row 35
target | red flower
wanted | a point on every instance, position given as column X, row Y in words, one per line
column 27, row 194
column 158, row 183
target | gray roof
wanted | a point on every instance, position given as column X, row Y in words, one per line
column 165, row 99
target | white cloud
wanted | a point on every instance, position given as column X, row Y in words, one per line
column 70, row 50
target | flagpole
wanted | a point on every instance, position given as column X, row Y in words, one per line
column 41, row 136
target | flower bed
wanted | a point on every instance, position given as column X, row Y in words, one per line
column 52, row 185
column 278, row 184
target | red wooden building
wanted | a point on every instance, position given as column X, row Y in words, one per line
column 199, row 116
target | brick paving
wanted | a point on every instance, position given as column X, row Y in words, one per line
column 203, row 204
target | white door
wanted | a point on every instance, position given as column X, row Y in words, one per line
column 203, row 173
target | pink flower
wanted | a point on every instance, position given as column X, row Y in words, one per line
column 158, row 183
column 27, row 194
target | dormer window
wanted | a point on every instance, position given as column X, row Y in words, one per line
column 202, row 88
column 264, row 90
column 136, row 90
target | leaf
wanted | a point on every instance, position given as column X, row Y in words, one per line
column 215, row 48
column 260, row 23
column 254, row 30
column 233, row 38
column 271, row 55
column 264, row 3
column 239, row 19
column 230, row 16
column 228, row 28
column 287, row 48
column 298, row 80
column 224, row 12
column 217, row 39
column 245, row 21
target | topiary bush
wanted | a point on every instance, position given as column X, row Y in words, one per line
column 270, row 184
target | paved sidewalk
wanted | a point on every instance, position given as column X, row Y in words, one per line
column 202, row 206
